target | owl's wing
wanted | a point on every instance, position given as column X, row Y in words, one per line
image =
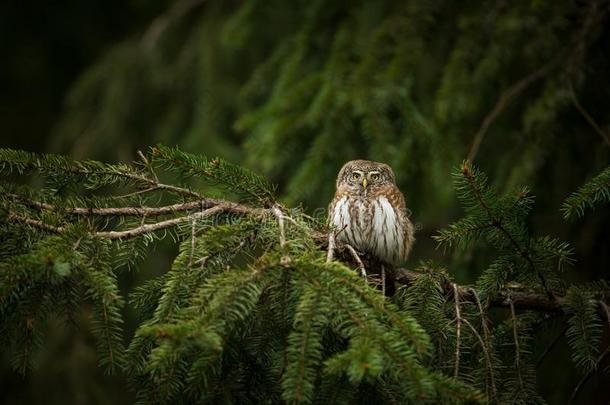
column 331, row 210
column 398, row 201
column 409, row 234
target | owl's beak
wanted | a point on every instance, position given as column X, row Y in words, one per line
column 364, row 183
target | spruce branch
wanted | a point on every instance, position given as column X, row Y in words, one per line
column 589, row 195
column 520, row 299
column 497, row 223
column 156, row 185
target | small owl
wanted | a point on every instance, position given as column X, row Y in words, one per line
column 369, row 212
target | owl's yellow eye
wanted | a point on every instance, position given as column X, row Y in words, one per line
column 355, row 176
column 375, row 176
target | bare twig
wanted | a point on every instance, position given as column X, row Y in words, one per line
column 35, row 223
column 550, row 347
column 161, row 23
column 153, row 183
column 193, row 234
column 605, row 311
column 122, row 211
column 458, row 328
column 605, row 137
column 593, row 17
column 332, row 245
column 149, row 228
column 504, row 100
column 148, row 165
column 486, row 343
column 139, row 192
column 517, row 346
column 277, row 211
column 589, row 374
column 356, row 257
column 487, row 357
column 280, row 223
column 222, row 206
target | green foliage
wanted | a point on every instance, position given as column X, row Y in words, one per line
column 304, row 351
column 293, row 90
column 589, row 195
column 248, row 185
column 60, row 276
column 501, row 222
column 252, row 310
column 585, row 326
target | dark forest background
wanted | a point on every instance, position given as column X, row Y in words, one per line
column 293, row 90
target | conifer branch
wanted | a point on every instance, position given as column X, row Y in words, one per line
column 520, row 299
column 589, row 195
column 156, row 185
column 497, row 223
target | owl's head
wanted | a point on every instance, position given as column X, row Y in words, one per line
column 364, row 176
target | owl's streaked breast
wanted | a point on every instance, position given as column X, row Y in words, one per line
column 370, row 226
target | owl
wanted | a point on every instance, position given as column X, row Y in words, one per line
column 369, row 212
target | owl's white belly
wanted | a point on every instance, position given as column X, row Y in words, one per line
column 370, row 226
